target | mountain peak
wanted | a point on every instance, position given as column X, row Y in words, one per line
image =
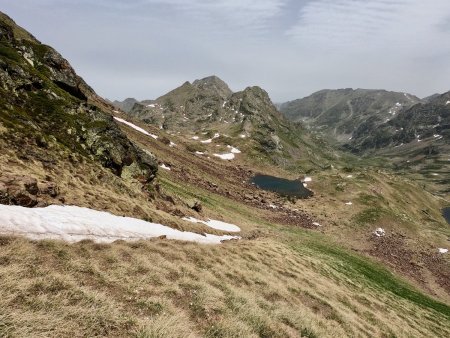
column 213, row 83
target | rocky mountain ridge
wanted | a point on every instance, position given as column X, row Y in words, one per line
column 50, row 115
column 338, row 113
column 208, row 107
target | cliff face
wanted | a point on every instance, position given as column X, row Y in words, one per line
column 46, row 108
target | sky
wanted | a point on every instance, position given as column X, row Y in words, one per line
column 290, row 48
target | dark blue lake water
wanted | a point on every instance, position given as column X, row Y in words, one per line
column 282, row 186
column 446, row 214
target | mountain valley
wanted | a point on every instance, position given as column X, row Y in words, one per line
column 364, row 255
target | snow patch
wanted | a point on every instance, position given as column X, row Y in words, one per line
column 379, row 232
column 135, row 127
column 348, row 203
column 307, row 179
column 273, row 206
column 165, row 167
column 171, row 144
column 317, row 224
column 206, row 141
column 349, row 176
column 151, row 105
column 448, row 102
column 226, row 156
column 234, row 150
column 27, row 57
column 195, row 137
column 218, row 225
column 200, row 153
column 442, row 250
column 73, row 224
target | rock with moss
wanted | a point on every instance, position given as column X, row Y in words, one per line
column 44, row 103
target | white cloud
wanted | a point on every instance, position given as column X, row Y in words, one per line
column 371, row 24
column 144, row 48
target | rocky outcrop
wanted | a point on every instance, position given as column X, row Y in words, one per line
column 26, row 191
column 44, row 103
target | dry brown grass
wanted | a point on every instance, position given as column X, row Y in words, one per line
column 278, row 285
column 259, row 288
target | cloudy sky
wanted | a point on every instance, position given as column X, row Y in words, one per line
column 291, row 48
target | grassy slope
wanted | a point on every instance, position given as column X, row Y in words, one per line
column 278, row 281
column 286, row 282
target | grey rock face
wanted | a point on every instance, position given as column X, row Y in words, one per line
column 44, row 103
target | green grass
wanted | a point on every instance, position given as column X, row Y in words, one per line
column 363, row 271
column 369, row 216
column 9, row 52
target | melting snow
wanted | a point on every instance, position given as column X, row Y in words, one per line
column 135, row 127
column 379, row 232
column 307, row 179
column 218, row 225
column 226, row 156
column 441, row 250
column 207, row 141
column 171, row 144
column 72, row 224
column 234, row 150
column 199, row 153
column 195, row 137
column 163, row 166
column 152, row 105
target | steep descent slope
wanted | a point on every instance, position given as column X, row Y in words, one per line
column 49, row 116
column 338, row 113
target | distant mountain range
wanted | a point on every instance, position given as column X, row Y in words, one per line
column 413, row 133
column 339, row 113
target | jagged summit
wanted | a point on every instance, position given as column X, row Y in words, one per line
column 213, row 83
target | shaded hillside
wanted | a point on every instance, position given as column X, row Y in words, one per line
column 338, row 113
column 48, row 114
